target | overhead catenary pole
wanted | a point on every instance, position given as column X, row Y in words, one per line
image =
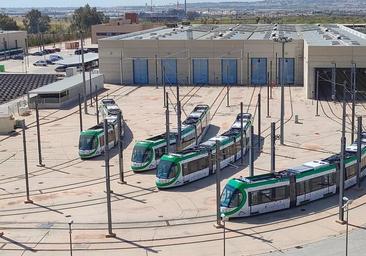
column 259, row 121
column 179, row 120
column 359, row 140
column 156, row 71
column 83, row 71
column 268, row 84
column 26, row 176
column 90, row 89
column 342, row 162
column 167, row 127
column 108, row 179
column 251, row 152
column 164, row 89
column 241, row 135
column 218, row 180
column 96, row 103
column 120, row 148
column 317, row 93
column 282, row 96
column 70, row 236
column 80, row 114
column 40, row 163
column 273, row 147
column 227, row 87
column 353, row 87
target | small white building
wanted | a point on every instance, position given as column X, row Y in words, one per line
column 65, row 93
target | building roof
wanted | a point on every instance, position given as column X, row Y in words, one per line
column 76, row 59
column 63, row 85
column 318, row 35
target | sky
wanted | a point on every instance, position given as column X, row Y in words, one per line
column 105, row 3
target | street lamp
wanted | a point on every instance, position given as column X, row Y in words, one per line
column 346, row 203
column 283, row 40
column 224, row 219
column 70, row 238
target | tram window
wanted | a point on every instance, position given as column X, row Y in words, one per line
column 351, row 171
column 111, row 136
column 101, row 141
column 236, row 199
column 332, row 179
column 260, row 197
column 300, row 188
column 363, row 162
column 281, row 193
column 203, row 163
column 237, row 145
column 159, row 152
column 319, row 182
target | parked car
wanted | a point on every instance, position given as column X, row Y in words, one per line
column 55, row 57
column 50, row 62
column 57, row 49
column 61, row 68
column 78, row 51
column 41, row 63
column 18, row 57
column 37, row 54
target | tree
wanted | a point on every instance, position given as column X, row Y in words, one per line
column 84, row 17
column 7, row 23
column 36, row 22
column 192, row 15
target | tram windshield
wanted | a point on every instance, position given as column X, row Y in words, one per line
column 141, row 154
column 230, row 197
column 166, row 170
column 87, row 142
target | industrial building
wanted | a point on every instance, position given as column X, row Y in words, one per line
column 65, row 92
column 238, row 55
column 11, row 42
column 127, row 24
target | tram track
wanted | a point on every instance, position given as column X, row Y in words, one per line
column 199, row 237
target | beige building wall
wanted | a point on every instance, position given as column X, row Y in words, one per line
column 327, row 57
column 116, row 58
column 112, row 29
column 12, row 39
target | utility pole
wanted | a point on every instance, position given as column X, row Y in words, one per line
column 90, row 89
column 108, row 179
column 353, row 87
column 80, row 115
column 342, row 163
column 179, row 120
column 83, row 69
column 120, row 148
column 28, row 200
column 96, row 103
column 317, row 93
column 39, row 137
column 164, row 89
column 273, row 147
column 251, row 152
column 241, row 135
column 259, row 121
column 359, row 140
column 218, row 188
column 283, row 41
column 167, row 127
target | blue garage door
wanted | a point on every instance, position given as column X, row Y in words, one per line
column 169, row 71
column 259, row 71
column 200, row 71
column 140, row 71
column 229, row 71
column 289, row 70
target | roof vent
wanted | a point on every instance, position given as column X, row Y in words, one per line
column 339, row 37
column 221, row 34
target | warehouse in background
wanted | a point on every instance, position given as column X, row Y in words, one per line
column 127, row 24
column 12, row 43
column 241, row 54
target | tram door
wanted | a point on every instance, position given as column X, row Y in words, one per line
column 210, row 162
column 292, row 191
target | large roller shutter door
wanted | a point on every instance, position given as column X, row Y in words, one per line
column 259, row 71
column 140, row 71
column 229, row 71
column 169, row 71
column 200, row 71
column 289, row 70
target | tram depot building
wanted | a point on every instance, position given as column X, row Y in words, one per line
column 239, row 55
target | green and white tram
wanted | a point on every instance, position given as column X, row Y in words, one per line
column 199, row 161
column 91, row 141
column 311, row 181
column 147, row 153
